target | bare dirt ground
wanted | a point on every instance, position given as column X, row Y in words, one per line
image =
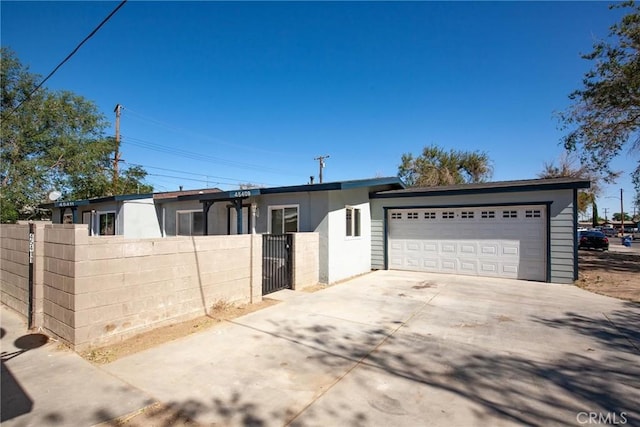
column 219, row 313
column 611, row 273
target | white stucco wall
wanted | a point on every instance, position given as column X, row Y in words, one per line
column 139, row 219
column 348, row 256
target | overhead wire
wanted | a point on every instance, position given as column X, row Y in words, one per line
column 138, row 142
column 73, row 52
column 197, row 135
column 238, row 181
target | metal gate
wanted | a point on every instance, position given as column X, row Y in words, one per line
column 276, row 262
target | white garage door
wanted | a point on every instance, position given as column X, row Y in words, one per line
column 505, row 242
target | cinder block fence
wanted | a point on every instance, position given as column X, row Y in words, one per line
column 90, row 291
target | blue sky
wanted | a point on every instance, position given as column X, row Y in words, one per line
column 222, row 93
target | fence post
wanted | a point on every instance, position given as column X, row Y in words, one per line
column 32, row 243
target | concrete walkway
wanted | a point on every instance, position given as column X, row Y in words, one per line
column 387, row 348
column 49, row 385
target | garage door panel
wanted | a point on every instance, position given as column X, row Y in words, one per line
column 510, row 249
column 489, row 249
column 488, row 268
column 412, row 246
column 533, row 252
column 412, row 262
column 487, row 241
column 510, row 269
column 447, row 247
column 466, row 249
column 468, row 266
column 431, row 264
column 430, row 247
column 449, row 265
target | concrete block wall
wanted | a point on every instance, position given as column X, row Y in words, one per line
column 124, row 287
column 14, row 269
column 62, row 251
column 97, row 290
column 306, row 260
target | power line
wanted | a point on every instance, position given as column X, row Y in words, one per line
column 196, row 156
column 195, row 174
column 197, row 135
column 73, row 52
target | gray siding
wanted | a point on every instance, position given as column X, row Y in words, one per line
column 562, row 235
column 377, row 244
column 561, row 232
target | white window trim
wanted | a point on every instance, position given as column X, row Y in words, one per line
column 353, row 223
column 184, row 211
column 115, row 222
column 276, row 207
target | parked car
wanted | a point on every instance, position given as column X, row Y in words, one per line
column 593, row 240
column 609, row 231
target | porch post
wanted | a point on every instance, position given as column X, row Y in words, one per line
column 254, row 209
column 238, row 204
column 206, row 205
column 62, row 211
column 74, row 215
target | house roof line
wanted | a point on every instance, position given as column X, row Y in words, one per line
column 84, row 202
column 392, row 182
column 488, row 187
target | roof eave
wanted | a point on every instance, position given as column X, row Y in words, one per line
column 550, row 186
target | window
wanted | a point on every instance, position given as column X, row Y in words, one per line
column 448, row 215
column 429, row 215
column 509, row 214
column 353, row 221
column 488, row 214
column 106, row 223
column 412, row 215
column 467, row 214
column 284, row 219
column 396, row 215
column 189, row 223
column 532, row 214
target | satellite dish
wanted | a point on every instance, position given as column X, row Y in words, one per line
column 54, row 195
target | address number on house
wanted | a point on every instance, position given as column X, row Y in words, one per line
column 242, row 194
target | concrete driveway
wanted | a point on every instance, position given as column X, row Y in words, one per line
column 386, row 349
column 407, row 349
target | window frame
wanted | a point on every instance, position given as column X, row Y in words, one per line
column 115, row 222
column 283, row 207
column 190, row 212
column 353, row 224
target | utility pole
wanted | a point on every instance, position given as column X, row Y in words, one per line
column 116, row 155
column 320, row 160
column 621, row 215
column 605, row 215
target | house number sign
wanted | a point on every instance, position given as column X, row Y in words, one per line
column 242, row 193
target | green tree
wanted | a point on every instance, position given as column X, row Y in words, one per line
column 604, row 117
column 569, row 167
column 50, row 140
column 616, row 217
column 435, row 166
column 594, row 214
